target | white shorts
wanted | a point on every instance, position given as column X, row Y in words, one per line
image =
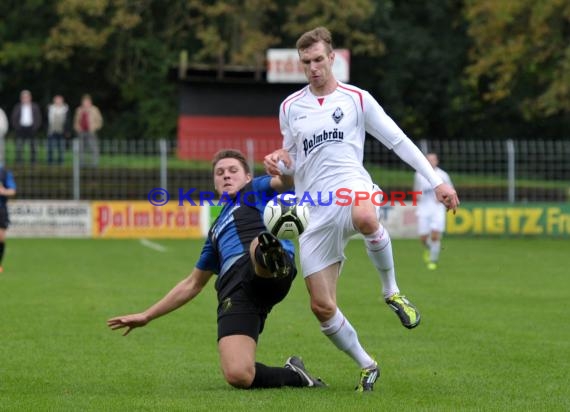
column 330, row 228
column 431, row 219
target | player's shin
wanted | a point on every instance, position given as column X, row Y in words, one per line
column 339, row 330
column 274, row 377
column 435, row 248
column 379, row 250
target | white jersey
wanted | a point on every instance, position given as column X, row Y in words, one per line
column 325, row 136
column 427, row 201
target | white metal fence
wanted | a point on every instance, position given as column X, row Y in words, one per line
column 482, row 170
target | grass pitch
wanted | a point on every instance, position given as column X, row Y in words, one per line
column 494, row 334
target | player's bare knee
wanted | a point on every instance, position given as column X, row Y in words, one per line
column 239, row 377
column 323, row 310
column 367, row 224
column 365, row 218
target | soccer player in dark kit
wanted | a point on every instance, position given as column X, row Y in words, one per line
column 254, row 272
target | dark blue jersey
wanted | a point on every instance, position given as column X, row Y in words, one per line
column 239, row 222
column 7, row 180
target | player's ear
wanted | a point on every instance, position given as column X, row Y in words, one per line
column 248, row 177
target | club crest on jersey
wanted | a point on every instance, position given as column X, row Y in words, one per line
column 337, row 115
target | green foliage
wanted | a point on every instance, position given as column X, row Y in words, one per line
column 444, row 69
column 22, row 33
column 418, row 80
column 232, row 32
column 343, row 18
column 136, row 56
column 521, row 48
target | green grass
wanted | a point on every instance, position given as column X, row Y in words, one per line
column 494, row 334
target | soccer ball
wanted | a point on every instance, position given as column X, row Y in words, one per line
column 284, row 217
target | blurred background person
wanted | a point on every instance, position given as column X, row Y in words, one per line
column 3, row 130
column 87, row 121
column 26, row 120
column 58, row 129
column 431, row 214
column 7, row 190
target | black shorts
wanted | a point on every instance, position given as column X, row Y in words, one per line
column 243, row 307
column 4, row 221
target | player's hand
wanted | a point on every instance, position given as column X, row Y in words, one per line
column 448, row 196
column 271, row 161
column 128, row 321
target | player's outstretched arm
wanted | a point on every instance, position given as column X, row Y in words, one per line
column 181, row 294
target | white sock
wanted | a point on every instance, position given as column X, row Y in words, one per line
column 339, row 330
column 379, row 249
column 434, row 249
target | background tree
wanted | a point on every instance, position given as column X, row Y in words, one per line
column 419, row 79
column 448, row 69
column 125, row 48
column 23, row 29
column 348, row 20
column 521, row 49
column 234, row 33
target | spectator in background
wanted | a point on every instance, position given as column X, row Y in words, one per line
column 58, row 129
column 87, row 121
column 431, row 213
column 26, row 121
column 3, row 131
column 7, row 189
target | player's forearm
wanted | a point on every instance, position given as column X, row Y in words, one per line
column 282, row 183
column 411, row 154
column 181, row 294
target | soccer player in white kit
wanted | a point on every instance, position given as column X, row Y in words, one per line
column 430, row 213
column 323, row 127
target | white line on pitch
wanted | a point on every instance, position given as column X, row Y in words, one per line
column 152, row 245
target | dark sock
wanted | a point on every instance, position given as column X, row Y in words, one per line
column 274, row 377
column 2, row 248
